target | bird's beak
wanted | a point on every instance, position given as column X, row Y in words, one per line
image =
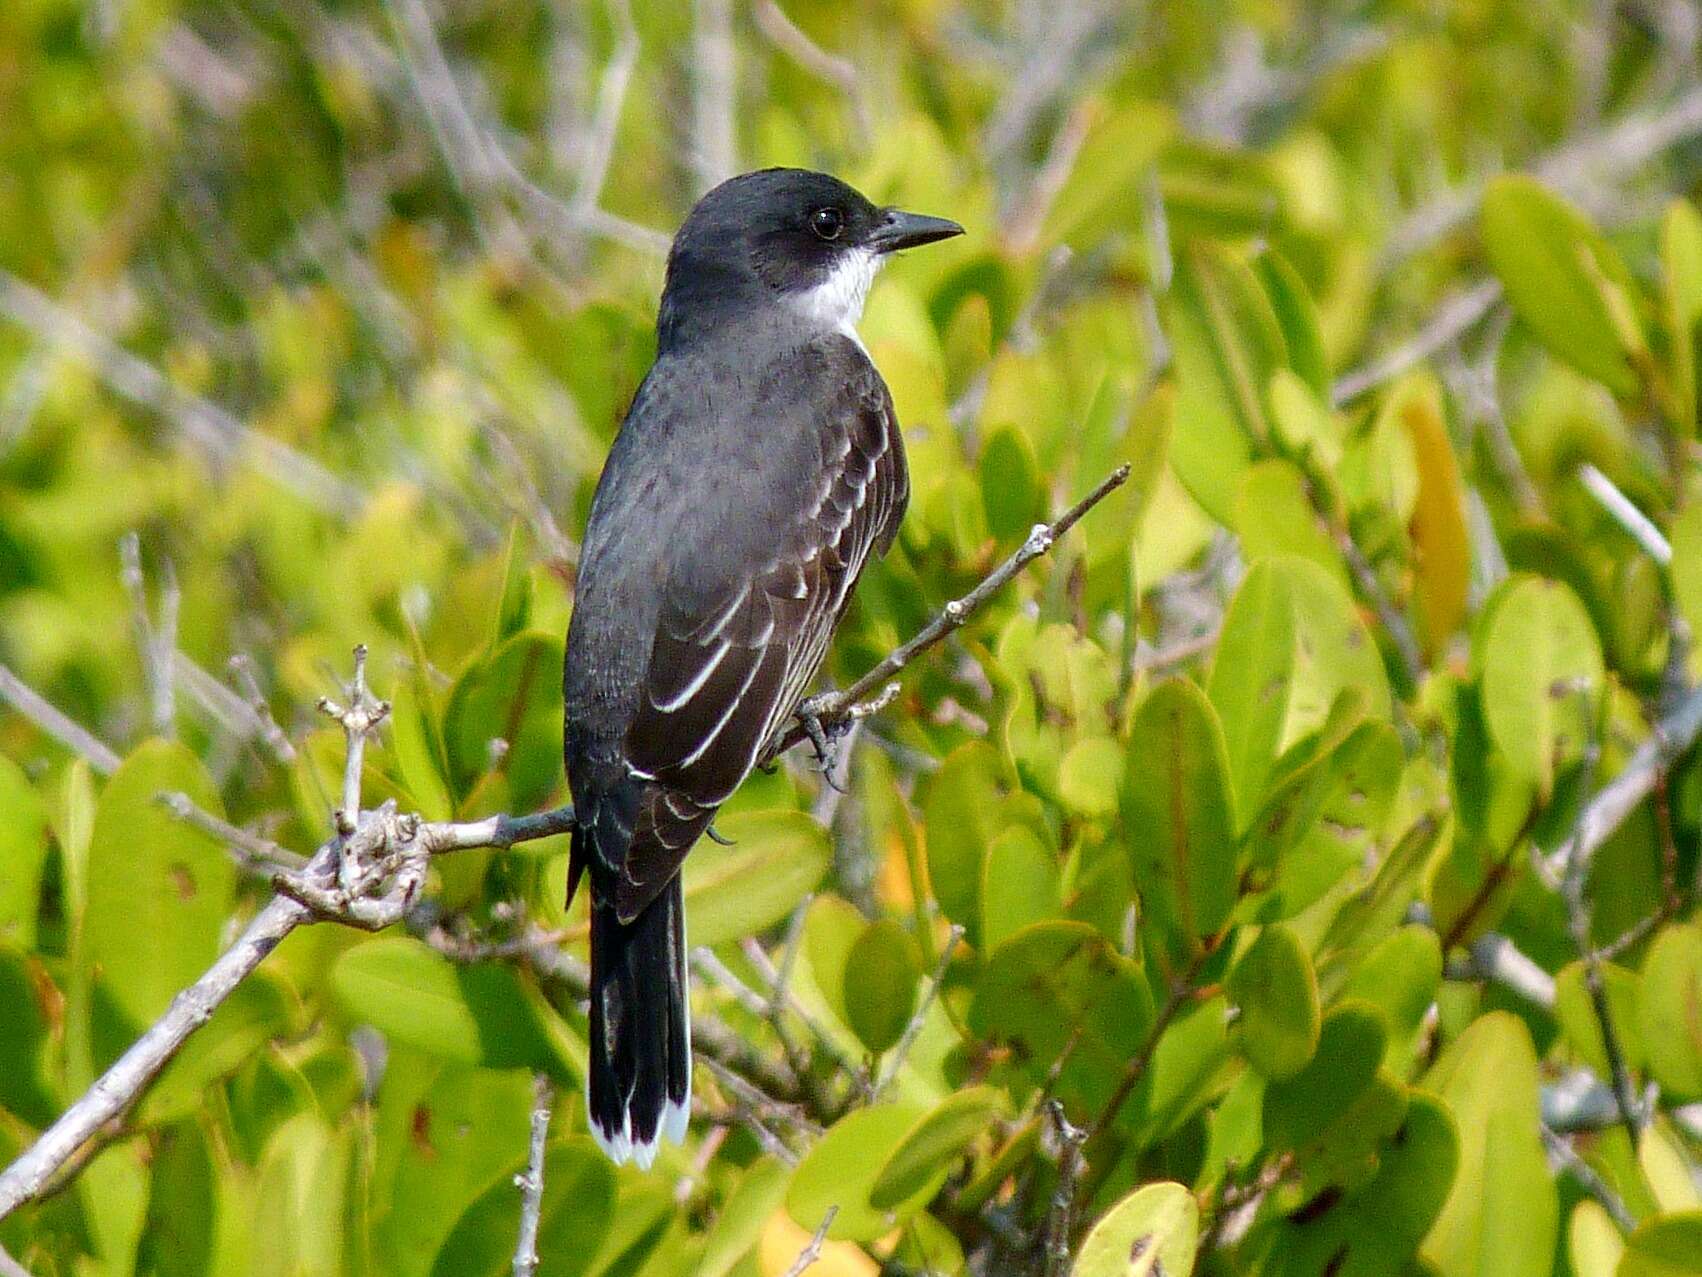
column 898, row 229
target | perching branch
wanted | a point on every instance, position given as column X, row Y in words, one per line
column 531, row 1181
column 836, row 708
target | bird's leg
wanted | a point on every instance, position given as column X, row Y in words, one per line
column 823, row 737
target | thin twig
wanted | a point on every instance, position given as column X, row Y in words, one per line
column 274, row 736
column 812, row 1251
column 156, row 643
column 531, row 1181
column 1617, row 799
column 1070, row 1141
column 1578, row 916
column 78, row 739
column 1455, row 317
column 206, row 424
column 1561, row 1150
column 835, row 706
column 1495, row 957
column 839, row 72
column 714, row 81
column 249, row 850
column 895, row 1060
column 1638, row 525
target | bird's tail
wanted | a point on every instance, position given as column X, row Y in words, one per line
column 639, row 1084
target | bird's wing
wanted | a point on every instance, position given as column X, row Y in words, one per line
column 733, row 655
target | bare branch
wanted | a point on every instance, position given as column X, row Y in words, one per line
column 1578, row 169
column 206, row 425
column 1495, row 957
column 78, row 739
column 267, row 726
column 1560, row 1150
column 157, row 644
column 784, row 35
column 121, row 1084
column 835, row 707
column 1617, row 799
column 1454, row 318
column 531, row 1182
column 249, row 850
column 812, row 1252
column 1058, row 1219
column 1641, row 529
column 714, row 81
column 895, row 1061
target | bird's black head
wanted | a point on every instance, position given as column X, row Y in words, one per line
column 804, row 241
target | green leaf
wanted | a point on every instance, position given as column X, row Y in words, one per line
column 1681, row 283
column 442, row 1147
column 1670, row 1010
column 1010, row 484
column 1274, row 988
column 1556, row 268
column 475, row 1014
column 1686, row 534
column 1400, row 976
column 1227, row 343
column 1088, row 775
column 842, row 1168
column 23, row 850
column 1095, row 196
column 1059, row 982
column 777, row 858
column 933, row 1145
column 1593, row 1241
column 1273, row 515
column 1020, row 885
column 1502, row 1215
column 1179, row 814
column 1297, row 316
column 1292, row 642
column 513, row 697
column 1665, row 1166
column 1349, row 1052
column 303, row 1177
column 578, row 1201
column 159, row 890
column 1542, row 671
column 1151, row 1231
column 832, row 926
column 24, row 1045
column 1666, row 1246
column 738, row 1227
column 961, row 812
column 417, row 741
column 881, row 972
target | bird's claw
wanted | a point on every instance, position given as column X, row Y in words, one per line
column 824, row 739
column 716, row 836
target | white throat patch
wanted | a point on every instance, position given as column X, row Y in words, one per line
column 837, row 302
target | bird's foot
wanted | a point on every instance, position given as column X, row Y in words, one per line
column 823, row 738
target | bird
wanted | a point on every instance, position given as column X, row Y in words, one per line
column 757, row 470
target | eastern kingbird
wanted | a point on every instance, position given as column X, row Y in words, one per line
column 758, row 468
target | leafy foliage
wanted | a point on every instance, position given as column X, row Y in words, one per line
column 1294, row 872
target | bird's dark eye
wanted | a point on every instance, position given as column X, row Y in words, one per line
column 827, row 223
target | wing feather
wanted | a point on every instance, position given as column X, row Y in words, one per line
column 729, row 663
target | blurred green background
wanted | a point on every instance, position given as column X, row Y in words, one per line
column 1252, row 802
